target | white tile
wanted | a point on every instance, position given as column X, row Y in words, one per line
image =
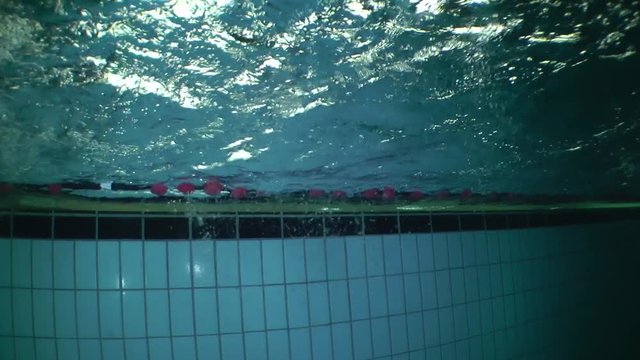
column 359, row 299
column 275, row 307
column 321, row 342
column 204, row 268
column 253, row 309
column 155, row 264
column 63, row 260
column 298, row 306
column 133, row 313
column 409, row 250
column 273, row 261
column 278, row 341
column 206, row 311
column 375, row 260
column 398, row 333
column 43, row 312
column 232, row 346
column 110, row 314
column 179, row 264
column 342, row 341
column 21, row 272
column 230, row 314
column 300, row 344
column 318, row 304
column 395, row 294
column 392, row 254
column 362, row 342
column 108, row 265
column 356, row 259
column 255, row 345
column 42, row 264
column 336, row 258
column 295, row 271
column 378, row 296
column 157, row 313
column 250, row 262
column 185, row 347
column 316, row 262
column 132, row 264
column 87, row 310
column 45, row 348
column 380, row 332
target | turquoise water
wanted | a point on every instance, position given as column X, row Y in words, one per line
column 537, row 97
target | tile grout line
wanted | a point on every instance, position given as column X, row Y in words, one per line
column 422, row 306
column 121, row 291
column 464, row 283
column 286, row 286
column 264, row 301
column 168, row 279
column 349, row 279
column 97, row 278
column 306, row 286
column 493, row 319
column 402, row 279
column 217, row 290
column 347, row 283
column 238, row 268
column 366, row 279
column 193, row 292
column 499, row 266
column 11, row 283
column 448, row 271
column 385, row 277
column 433, row 259
column 143, row 235
column 33, row 317
column 326, row 276
column 53, row 286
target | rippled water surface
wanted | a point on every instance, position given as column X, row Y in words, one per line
column 535, row 96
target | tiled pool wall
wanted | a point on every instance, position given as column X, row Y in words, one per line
column 349, row 286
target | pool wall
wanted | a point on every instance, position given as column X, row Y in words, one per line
column 347, row 286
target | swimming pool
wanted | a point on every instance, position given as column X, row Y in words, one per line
column 283, row 96
column 419, row 179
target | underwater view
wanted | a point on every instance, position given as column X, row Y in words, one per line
column 535, row 97
column 319, row 179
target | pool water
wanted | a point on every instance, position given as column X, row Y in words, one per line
column 539, row 97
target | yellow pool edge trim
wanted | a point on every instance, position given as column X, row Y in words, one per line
column 43, row 202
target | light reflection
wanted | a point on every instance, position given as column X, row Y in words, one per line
column 236, row 143
column 197, row 269
column 239, row 155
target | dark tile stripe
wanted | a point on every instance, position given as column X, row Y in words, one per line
column 374, row 225
column 162, row 228
column 445, row 223
column 537, row 220
column 496, row 222
column 36, row 227
column 472, row 222
column 415, row 224
column 71, row 227
column 213, row 227
column 343, row 225
column 260, row 227
column 83, row 225
column 120, row 228
column 302, row 227
column 5, row 225
column 517, row 221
